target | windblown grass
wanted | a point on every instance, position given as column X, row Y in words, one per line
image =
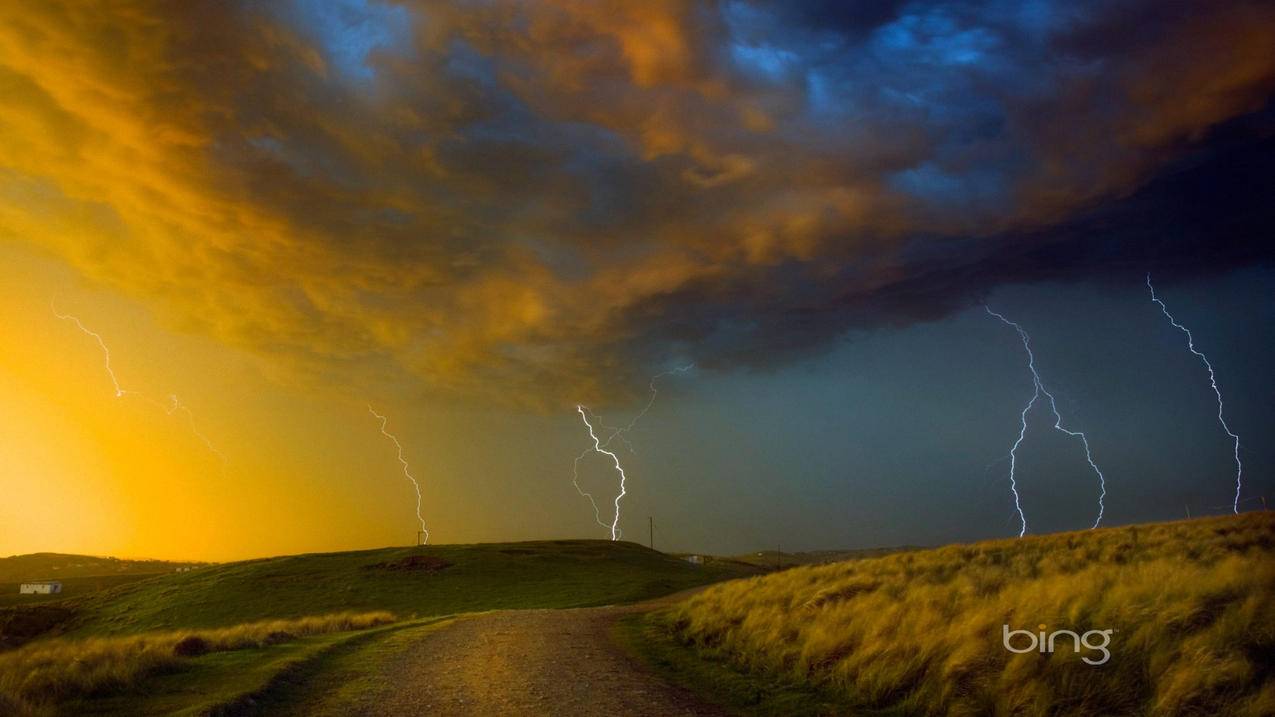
column 1192, row 604
column 53, row 671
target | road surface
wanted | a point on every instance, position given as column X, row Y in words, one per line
column 531, row 662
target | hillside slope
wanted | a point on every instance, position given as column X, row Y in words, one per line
column 433, row 580
column 59, row 566
column 1191, row 605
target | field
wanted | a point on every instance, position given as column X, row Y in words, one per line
column 1191, row 605
column 71, row 588
column 129, row 630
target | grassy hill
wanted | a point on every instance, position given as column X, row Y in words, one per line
column 1191, row 603
column 60, row 566
column 79, row 575
column 418, row 581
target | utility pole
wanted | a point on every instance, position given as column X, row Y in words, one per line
column 1188, row 512
column 1264, row 503
column 650, row 524
column 779, row 557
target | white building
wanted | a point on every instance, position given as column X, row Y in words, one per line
column 46, row 587
column 695, row 559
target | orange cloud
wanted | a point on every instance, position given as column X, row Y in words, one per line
column 536, row 201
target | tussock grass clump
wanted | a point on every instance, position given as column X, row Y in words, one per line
column 52, row 671
column 1192, row 604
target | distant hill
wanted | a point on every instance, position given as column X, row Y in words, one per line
column 423, row 581
column 55, row 566
column 80, row 575
column 770, row 558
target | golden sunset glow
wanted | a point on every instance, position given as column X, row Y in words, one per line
column 475, row 218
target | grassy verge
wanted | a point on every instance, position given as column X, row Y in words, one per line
column 46, row 677
column 353, row 678
column 220, row 682
column 313, row 676
column 648, row 637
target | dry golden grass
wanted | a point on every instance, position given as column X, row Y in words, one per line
column 1192, row 604
column 54, row 671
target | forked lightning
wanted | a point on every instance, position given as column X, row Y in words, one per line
column 173, row 406
column 602, row 446
column 1039, row 388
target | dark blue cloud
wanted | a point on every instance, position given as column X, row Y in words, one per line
column 349, row 31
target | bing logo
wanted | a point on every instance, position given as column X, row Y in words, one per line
column 1095, row 640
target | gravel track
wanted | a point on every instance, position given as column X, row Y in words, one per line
column 532, row 662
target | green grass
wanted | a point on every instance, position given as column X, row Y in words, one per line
column 71, row 588
column 646, row 637
column 351, row 678
column 60, row 566
column 1192, row 604
column 312, row 676
column 110, row 674
column 208, row 682
column 546, row 574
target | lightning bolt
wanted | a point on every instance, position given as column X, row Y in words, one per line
column 1190, row 344
column 601, row 446
column 407, row 471
column 176, row 406
column 1040, row 389
column 106, row 352
column 575, row 469
column 173, row 406
column 1013, row 463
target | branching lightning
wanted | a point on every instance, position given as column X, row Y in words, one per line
column 407, row 471
column 1084, row 441
column 1039, row 389
column 602, row 446
column 173, row 406
column 1190, row 344
column 575, row 469
column 597, row 446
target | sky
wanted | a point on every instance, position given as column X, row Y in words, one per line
column 474, row 217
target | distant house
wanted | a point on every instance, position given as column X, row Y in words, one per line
column 695, row 559
column 46, row 587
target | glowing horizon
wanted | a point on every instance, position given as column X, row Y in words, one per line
column 251, row 218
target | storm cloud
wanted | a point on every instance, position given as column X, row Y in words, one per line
column 543, row 202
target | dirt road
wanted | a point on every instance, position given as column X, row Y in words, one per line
column 531, row 662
